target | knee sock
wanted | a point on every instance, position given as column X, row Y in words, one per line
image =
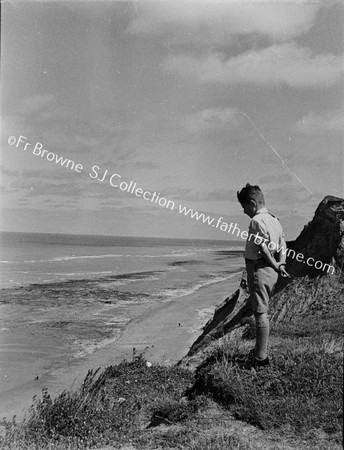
column 262, row 335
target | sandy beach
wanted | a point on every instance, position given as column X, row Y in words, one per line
column 162, row 331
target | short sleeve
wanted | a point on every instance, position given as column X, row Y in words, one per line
column 258, row 229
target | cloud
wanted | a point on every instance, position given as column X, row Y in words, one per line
column 288, row 195
column 36, row 103
column 314, row 123
column 270, row 179
column 8, row 173
column 8, row 190
column 211, row 119
column 216, row 22
column 270, row 158
column 275, row 65
column 38, row 187
column 217, row 195
column 144, row 165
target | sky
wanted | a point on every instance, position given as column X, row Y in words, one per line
column 188, row 99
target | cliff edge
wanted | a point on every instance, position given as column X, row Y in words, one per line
column 322, row 239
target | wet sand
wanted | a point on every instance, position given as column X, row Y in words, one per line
column 44, row 358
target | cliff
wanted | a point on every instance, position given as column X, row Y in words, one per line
column 323, row 240
column 293, row 404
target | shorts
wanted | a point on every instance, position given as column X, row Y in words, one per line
column 261, row 280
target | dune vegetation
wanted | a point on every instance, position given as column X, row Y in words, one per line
column 295, row 403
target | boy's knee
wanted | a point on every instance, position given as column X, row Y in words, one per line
column 262, row 319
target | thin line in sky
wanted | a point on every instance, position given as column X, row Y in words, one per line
column 275, row 151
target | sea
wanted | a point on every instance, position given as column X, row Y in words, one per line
column 181, row 265
column 65, row 299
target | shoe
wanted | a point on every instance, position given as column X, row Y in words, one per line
column 261, row 362
column 250, row 361
column 253, row 362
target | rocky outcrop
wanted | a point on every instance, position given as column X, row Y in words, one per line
column 323, row 240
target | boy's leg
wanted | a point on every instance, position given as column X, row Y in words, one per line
column 262, row 335
column 261, row 281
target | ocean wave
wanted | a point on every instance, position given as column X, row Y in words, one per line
column 73, row 257
column 64, row 258
column 102, row 278
column 68, row 258
column 122, row 281
column 87, row 347
column 71, row 274
column 174, row 253
column 190, row 289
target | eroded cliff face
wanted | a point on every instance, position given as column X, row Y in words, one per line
column 323, row 240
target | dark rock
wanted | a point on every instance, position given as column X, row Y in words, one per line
column 323, row 240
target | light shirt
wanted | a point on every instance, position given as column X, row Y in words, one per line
column 263, row 226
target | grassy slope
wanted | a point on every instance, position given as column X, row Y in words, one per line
column 296, row 403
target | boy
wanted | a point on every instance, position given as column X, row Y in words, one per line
column 265, row 255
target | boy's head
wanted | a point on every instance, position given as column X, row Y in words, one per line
column 251, row 199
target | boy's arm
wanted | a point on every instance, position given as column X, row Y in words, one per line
column 267, row 256
column 261, row 235
column 279, row 263
column 281, row 255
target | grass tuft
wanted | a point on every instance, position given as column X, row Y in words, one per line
column 298, row 398
column 109, row 407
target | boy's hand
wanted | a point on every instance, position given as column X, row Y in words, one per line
column 282, row 271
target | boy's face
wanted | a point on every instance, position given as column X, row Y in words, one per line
column 250, row 208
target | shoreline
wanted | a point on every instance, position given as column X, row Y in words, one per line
column 162, row 331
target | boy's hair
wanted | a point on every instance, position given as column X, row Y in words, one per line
column 248, row 193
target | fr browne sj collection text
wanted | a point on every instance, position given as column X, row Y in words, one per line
column 154, row 197
column 94, row 173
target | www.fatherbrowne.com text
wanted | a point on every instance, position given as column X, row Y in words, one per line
column 115, row 180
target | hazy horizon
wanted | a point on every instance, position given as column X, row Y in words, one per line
column 183, row 103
